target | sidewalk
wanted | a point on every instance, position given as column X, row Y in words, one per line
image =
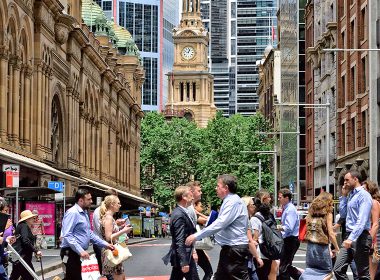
column 51, row 259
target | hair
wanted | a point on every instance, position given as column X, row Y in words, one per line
column 179, row 192
column 81, row 193
column 355, row 174
column 247, row 200
column 286, row 193
column 373, row 189
column 111, row 192
column 193, row 184
column 106, row 204
column 263, row 208
column 261, row 194
column 321, row 205
column 230, row 181
column 3, row 204
column 197, row 202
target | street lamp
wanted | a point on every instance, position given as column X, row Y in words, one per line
column 327, row 107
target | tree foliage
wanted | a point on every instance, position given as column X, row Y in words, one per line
column 177, row 151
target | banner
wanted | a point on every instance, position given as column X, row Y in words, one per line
column 46, row 212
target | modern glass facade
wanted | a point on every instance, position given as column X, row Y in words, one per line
column 150, row 23
column 292, row 46
column 240, row 31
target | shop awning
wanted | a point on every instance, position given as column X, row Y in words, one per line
column 32, row 163
column 122, row 193
column 30, row 192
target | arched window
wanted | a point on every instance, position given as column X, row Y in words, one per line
column 56, row 131
column 194, row 91
column 181, row 91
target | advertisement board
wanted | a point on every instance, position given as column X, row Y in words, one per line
column 136, row 223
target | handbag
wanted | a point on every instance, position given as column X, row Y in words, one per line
column 90, row 269
column 205, row 243
column 123, row 255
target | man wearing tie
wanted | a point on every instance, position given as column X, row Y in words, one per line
column 181, row 226
column 357, row 241
column 230, row 229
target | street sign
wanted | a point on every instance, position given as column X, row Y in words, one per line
column 147, row 211
column 56, row 185
column 12, row 175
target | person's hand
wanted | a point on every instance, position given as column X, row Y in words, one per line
column 120, row 222
column 110, row 246
column 11, row 239
column 84, row 255
column 185, row 269
column 195, row 256
column 127, row 229
column 260, row 262
column 345, row 190
column 1, row 237
column 347, row 243
column 190, row 240
column 39, row 254
column 9, row 224
column 335, row 251
column 336, row 226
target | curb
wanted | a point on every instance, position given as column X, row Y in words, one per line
column 56, row 265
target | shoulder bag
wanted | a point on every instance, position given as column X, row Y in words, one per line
column 123, row 255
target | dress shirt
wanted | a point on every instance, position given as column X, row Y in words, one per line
column 192, row 214
column 358, row 212
column 290, row 221
column 96, row 222
column 343, row 207
column 76, row 231
column 230, row 228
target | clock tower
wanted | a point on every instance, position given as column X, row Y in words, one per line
column 191, row 86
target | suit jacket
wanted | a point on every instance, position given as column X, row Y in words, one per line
column 181, row 226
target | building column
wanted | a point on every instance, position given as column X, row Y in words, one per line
column 27, row 108
column 22, row 119
column 49, row 100
column 43, row 107
column 16, row 102
column 3, row 93
column 39, row 108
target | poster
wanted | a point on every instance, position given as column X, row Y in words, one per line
column 136, row 223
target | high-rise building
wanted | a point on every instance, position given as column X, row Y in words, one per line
column 239, row 31
column 150, row 23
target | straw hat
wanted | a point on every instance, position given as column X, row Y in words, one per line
column 27, row 214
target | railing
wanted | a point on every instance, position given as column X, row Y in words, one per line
column 19, row 258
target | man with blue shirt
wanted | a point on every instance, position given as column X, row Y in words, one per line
column 357, row 243
column 290, row 224
column 77, row 234
column 230, row 229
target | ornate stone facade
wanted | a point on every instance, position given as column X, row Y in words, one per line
column 191, row 90
column 69, row 98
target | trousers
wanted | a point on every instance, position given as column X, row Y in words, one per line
column 233, row 263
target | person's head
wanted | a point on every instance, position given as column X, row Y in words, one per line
column 264, row 196
column 226, row 184
column 373, row 189
column 352, row 179
column 183, row 196
column 28, row 217
column 4, row 207
column 262, row 207
column 196, row 189
column 284, row 196
column 110, row 203
column 321, row 205
column 83, row 198
column 248, row 201
column 198, row 206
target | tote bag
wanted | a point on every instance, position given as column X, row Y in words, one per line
column 123, row 255
column 90, row 269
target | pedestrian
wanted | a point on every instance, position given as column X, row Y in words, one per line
column 97, row 231
column 373, row 190
column 319, row 235
column 111, row 233
column 201, row 256
column 266, row 198
column 230, row 229
column 38, row 231
column 180, row 255
column 290, row 223
column 76, row 235
column 25, row 246
column 255, row 260
column 357, row 243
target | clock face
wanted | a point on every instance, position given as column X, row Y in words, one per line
column 188, row 53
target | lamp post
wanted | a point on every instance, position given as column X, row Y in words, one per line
column 316, row 105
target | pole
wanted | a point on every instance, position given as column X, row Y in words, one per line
column 259, row 174
column 16, row 214
column 327, row 144
column 298, row 165
column 64, row 198
column 275, row 175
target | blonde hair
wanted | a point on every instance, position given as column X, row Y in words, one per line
column 106, row 204
column 247, row 200
column 180, row 191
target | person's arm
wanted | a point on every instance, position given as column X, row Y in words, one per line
column 375, row 218
column 25, row 240
column 252, row 248
column 108, row 229
column 365, row 205
column 332, row 235
column 343, row 207
column 67, row 231
column 202, row 220
column 178, row 225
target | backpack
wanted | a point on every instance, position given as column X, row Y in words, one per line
column 273, row 243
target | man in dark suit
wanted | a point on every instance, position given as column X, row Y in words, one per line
column 181, row 226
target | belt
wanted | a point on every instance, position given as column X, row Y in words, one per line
column 242, row 246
